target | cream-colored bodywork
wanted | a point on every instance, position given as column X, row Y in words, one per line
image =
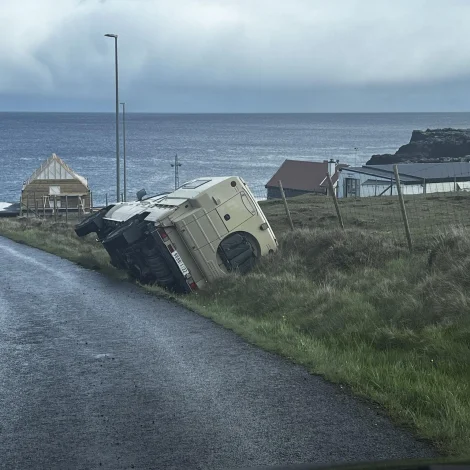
column 199, row 215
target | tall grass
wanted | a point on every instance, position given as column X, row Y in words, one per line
column 359, row 310
column 350, row 305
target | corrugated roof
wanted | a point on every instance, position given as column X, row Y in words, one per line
column 412, row 172
column 54, row 168
column 302, row 175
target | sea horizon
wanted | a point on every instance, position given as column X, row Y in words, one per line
column 250, row 145
column 175, row 113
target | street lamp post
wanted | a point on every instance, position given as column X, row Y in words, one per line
column 118, row 190
column 124, row 148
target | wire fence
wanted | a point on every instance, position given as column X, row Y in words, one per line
column 55, row 207
column 410, row 207
column 409, row 210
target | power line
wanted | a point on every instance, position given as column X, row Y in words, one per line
column 176, row 166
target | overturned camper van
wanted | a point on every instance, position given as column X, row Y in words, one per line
column 188, row 238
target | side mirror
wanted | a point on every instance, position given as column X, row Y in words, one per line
column 141, row 194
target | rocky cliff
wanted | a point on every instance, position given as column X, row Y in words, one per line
column 430, row 146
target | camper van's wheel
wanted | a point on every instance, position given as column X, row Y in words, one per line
column 115, row 262
column 245, row 265
column 160, row 270
column 237, row 253
column 139, row 273
column 116, row 259
column 125, row 235
column 92, row 223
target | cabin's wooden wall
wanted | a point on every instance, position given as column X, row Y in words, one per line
column 34, row 192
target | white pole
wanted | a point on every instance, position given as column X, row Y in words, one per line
column 118, row 189
column 124, row 148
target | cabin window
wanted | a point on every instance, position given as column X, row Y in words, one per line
column 54, row 190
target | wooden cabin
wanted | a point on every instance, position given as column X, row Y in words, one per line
column 54, row 185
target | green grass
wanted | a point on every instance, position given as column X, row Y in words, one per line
column 360, row 311
column 353, row 306
column 427, row 214
column 59, row 239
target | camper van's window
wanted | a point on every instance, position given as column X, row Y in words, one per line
column 194, row 184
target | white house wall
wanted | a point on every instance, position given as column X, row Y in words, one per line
column 370, row 190
column 366, row 190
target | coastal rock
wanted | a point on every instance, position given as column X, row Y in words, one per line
column 430, row 146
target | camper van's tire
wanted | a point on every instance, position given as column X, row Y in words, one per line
column 160, row 270
column 140, row 273
column 247, row 265
column 116, row 262
column 92, row 223
column 237, row 253
column 125, row 235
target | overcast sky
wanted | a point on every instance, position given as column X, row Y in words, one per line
column 236, row 55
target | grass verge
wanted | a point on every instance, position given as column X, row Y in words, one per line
column 352, row 306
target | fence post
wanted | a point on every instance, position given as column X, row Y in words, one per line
column 36, row 208
column 91, row 202
column 44, row 208
column 402, row 207
column 21, row 206
column 335, row 200
column 55, row 208
column 455, row 184
column 34, row 203
column 27, row 205
column 285, row 205
column 424, row 185
column 66, row 209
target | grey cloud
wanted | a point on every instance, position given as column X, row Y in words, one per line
column 190, row 49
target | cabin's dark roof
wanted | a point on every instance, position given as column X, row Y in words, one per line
column 302, row 175
column 416, row 172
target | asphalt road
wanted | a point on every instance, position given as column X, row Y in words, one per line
column 95, row 374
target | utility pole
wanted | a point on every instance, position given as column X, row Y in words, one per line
column 355, row 156
column 115, row 37
column 176, row 165
column 124, row 148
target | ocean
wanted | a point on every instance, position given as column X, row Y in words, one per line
column 248, row 145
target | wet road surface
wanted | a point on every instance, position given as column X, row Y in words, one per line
column 95, row 374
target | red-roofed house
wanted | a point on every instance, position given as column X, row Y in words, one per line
column 301, row 177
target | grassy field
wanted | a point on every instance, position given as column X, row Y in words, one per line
column 353, row 305
column 427, row 214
